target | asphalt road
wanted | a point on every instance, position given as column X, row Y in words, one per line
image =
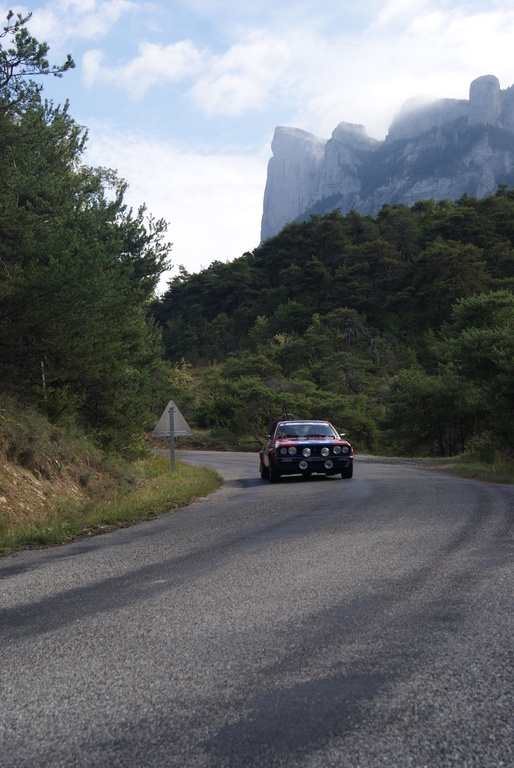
column 328, row 622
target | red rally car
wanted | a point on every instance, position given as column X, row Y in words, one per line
column 305, row 447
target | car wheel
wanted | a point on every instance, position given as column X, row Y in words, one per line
column 347, row 473
column 264, row 471
column 273, row 473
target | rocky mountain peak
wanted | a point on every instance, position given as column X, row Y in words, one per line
column 440, row 149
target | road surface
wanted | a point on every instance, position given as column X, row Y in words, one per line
column 321, row 622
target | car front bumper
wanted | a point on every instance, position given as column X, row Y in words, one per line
column 295, row 465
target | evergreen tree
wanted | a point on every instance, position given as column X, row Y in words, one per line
column 481, row 350
column 22, row 58
column 77, row 268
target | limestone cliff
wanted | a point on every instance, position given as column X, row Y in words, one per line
column 439, row 150
column 292, row 176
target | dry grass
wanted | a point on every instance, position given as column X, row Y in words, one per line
column 55, row 486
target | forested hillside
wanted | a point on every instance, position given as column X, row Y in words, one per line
column 77, row 267
column 399, row 328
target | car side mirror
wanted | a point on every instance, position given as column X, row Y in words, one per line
column 268, row 437
column 342, row 434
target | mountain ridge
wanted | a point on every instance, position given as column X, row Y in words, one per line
column 445, row 149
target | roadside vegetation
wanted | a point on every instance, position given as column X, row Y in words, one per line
column 496, row 468
column 82, row 373
column 56, row 486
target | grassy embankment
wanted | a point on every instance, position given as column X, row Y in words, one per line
column 495, row 468
column 56, row 486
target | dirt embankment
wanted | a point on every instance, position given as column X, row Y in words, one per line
column 29, row 494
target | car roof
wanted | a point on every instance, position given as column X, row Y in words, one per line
column 303, row 421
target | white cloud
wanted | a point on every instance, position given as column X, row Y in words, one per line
column 409, row 50
column 212, row 202
column 64, row 20
column 91, row 66
column 243, row 77
column 396, row 11
column 155, row 65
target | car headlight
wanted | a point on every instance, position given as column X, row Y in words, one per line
column 283, row 451
column 306, row 452
column 337, row 449
column 291, row 451
column 345, row 449
column 325, row 451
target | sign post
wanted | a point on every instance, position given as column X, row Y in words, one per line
column 170, row 424
column 172, row 438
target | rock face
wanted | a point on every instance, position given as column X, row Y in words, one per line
column 292, row 174
column 440, row 150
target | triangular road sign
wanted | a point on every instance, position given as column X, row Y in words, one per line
column 180, row 425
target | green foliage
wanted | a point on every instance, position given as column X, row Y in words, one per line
column 22, row 57
column 431, row 415
column 28, row 438
column 481, row 349
column 77, row 268
column 374, row 322
column 447, row 271
column 473, row 393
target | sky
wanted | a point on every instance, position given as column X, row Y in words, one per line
column 182, row 98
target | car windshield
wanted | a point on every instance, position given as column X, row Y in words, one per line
column 305, row 430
